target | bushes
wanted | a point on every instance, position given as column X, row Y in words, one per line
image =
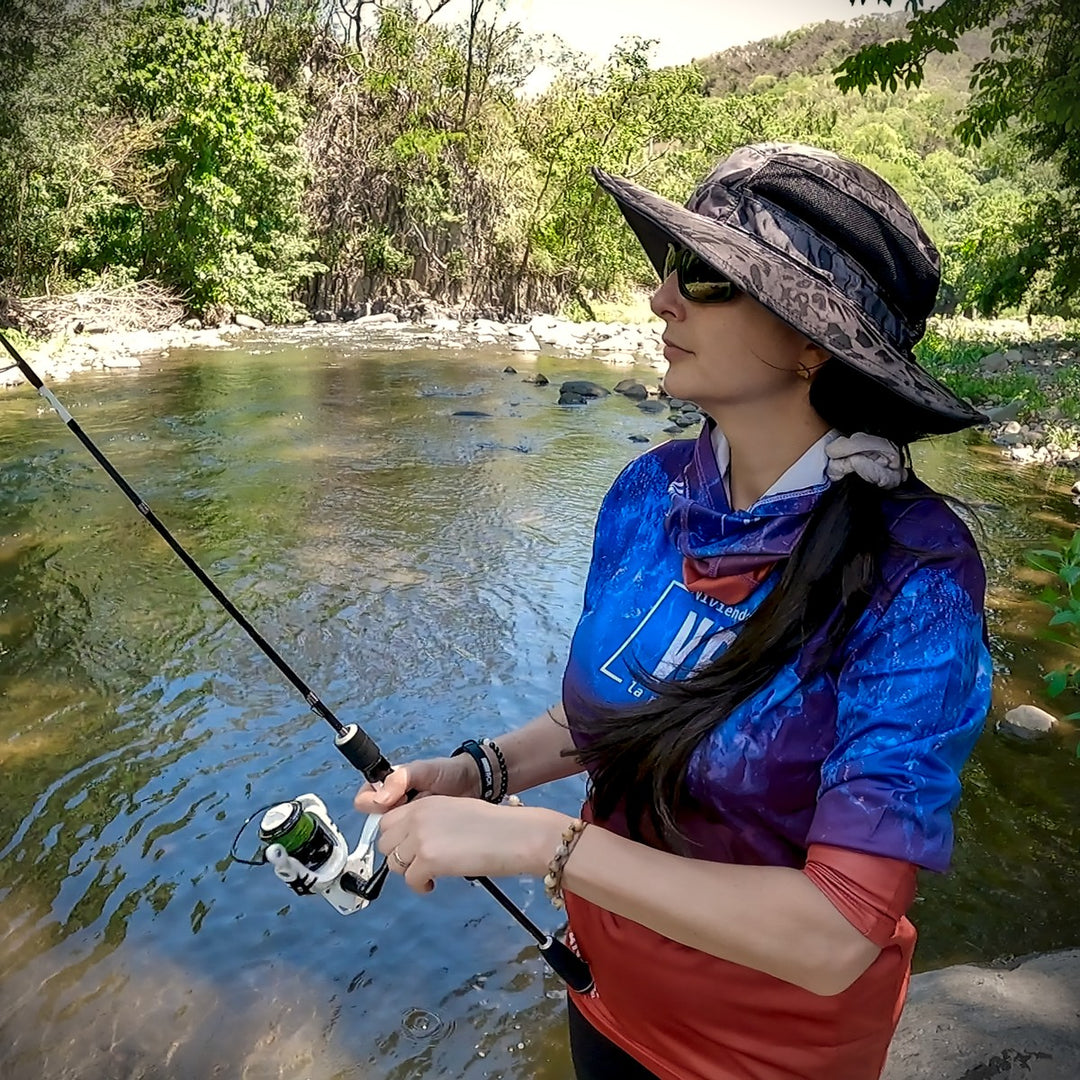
column 173, row 159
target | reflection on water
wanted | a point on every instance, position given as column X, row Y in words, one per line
column 422, row 571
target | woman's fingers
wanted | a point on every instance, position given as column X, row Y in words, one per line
column 372, row 799
column 431, row 776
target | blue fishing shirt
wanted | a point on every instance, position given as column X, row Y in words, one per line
column 865, row 755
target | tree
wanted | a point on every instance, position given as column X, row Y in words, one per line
column 1029, row 86
column 227, row 229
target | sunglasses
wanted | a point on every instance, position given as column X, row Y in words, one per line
column 698, row 281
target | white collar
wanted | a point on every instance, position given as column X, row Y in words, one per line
column 807, row 472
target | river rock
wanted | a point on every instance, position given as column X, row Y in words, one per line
column 583, row 388
column 192, row 324
column 566, row 397
column 632, row 389
column 624, row 342
column 382, row 318
column 1075, row 489
column 639, row 438
column 1027, row 722
column 1004, row 413
column 120, row 360
column 525, row 344
column 539, row 379
column 248, row 322
column 652, row 406
column 620, row 359
column 994, row 364
column 509, row 370
column 1024, row 455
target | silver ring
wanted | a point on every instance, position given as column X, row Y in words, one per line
column 397, row 858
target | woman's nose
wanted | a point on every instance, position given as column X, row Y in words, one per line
column 667, row 301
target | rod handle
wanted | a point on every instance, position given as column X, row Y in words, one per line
column 566, row 964
column 362, row 752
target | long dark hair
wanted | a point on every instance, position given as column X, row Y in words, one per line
column 637, row 757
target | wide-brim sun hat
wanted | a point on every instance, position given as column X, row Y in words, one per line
column 832, row 249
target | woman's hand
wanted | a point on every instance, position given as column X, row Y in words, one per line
column 445, row 837
column 457, row 776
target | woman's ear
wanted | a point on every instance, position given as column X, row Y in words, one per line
column 813, row 358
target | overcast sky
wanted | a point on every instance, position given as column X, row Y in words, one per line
column 685, row 28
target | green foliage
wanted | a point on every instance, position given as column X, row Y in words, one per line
column 1063, row 597
column 150, row 145
column 957, row 364
column 205, row 152
column 228, row 231
column 1029, row 85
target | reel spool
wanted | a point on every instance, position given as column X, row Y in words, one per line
column 309, row 853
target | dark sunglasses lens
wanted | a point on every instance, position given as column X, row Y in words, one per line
column 698, row 281
column 708, row 292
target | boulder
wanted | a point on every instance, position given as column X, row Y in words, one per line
column 568, row 398
column 994, row 364
column 583, row 388
column 539, row 379
column 632, row 389
column 1002, row 414
column 991, row 1023
column 509, row 370
column 379, row 319
column 653, row 406
column 248, row 322
column 1026, row 722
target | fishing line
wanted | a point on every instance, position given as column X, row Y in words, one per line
column 305, row 847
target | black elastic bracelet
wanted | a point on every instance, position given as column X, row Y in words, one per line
column 483, row 763
column 504, row 776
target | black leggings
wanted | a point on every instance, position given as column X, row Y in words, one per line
column 596, row 1057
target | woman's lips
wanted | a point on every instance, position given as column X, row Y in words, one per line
column 673, row 351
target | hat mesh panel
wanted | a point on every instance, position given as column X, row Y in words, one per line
column 905, row 278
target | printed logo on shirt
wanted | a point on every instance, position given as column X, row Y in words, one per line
column 681, row 632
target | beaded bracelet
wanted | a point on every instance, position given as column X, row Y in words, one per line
column 553, row 878
column 504, row 775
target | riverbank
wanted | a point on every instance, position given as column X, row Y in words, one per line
column 1026, row 377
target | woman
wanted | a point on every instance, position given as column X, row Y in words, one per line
column 781, row 664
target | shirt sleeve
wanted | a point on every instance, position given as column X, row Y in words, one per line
column 912, row 697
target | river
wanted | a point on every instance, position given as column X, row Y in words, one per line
column 422, row 571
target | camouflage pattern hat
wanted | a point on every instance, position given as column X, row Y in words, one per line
column 833, row 250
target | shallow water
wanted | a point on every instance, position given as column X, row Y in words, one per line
column 422, row 572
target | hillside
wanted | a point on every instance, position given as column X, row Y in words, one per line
column 818, row 48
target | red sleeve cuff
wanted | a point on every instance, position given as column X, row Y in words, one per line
column 871, row 891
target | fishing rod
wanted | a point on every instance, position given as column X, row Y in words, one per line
column 301, row 842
